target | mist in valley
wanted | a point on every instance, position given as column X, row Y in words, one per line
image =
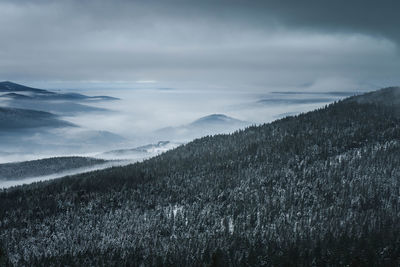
column 131, row 124
column 141, row 116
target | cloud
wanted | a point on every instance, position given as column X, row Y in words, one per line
column 239, row 45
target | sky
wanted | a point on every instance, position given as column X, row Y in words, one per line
column 205, row 45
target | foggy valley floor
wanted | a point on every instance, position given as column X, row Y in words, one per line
column 39, row 124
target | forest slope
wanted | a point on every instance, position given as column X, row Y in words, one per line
column 320, row 188
column 33, row 168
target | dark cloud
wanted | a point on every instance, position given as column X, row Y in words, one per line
column 242, row 44
column 346, row 16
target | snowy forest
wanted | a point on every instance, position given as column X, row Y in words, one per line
column 317, row 189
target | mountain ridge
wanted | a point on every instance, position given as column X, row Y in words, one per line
column 42, row 94
column 15, row 118
column 389, row 96
column 7, row 86
column 141, row 152
column 40, row 167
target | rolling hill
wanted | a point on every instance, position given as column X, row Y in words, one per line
column 14, row 119
column 316, row 189
column 207, row 125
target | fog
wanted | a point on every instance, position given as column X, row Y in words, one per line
column 139, row 114
column 147, row 115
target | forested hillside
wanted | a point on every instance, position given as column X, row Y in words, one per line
column 320, row 188
column 32, row 168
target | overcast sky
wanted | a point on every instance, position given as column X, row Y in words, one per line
column 225, row 45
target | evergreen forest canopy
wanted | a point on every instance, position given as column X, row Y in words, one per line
column 320, row 188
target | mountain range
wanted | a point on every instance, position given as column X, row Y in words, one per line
column 18, row 91
column 24, row 97
column 33, row 119
column 316, row 189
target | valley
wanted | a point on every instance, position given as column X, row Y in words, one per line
column 315, row 188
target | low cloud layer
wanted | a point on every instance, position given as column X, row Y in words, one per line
column 225, row 45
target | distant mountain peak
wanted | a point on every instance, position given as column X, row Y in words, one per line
column 9, row 83
column 215, row 118
column 7, row 86
column 217, row 115
column 207, row 125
